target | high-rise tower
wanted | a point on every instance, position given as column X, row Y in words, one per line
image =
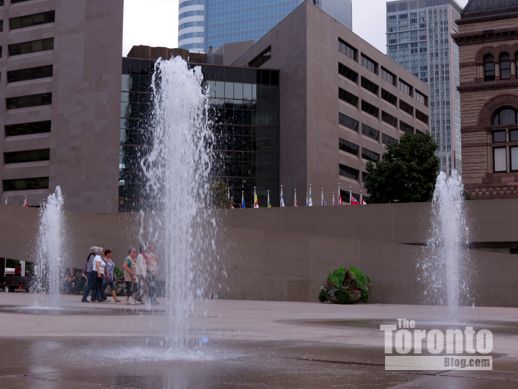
column 419, row 37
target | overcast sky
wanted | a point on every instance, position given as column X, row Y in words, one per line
column 156, row 23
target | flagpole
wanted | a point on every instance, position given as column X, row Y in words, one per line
column 268, row 205
column 295, row 205
column 339, row 193
column 322, row 201
column 281, row 200
column 333, row 199
column 361, row 197
column 350, row 195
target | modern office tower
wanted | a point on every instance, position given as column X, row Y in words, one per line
column 191, row 25
column 341, row 101
column 488, row 45
column 60, row 91
column 206, row 24
column 244, row 103
column 419, row 38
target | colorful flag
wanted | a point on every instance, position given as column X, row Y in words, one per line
column 282, row 198
column 268, row 204
column 352, row 199
column 322, row 200
column 243, row 203
column 334, row 199
column 25, row 203
column 340, row 201
column 309, row 198
column 256, row 200
column 295, row 204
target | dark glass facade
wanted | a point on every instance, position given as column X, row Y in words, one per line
column 244, row 107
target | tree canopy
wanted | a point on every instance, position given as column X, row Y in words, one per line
column 406, row 173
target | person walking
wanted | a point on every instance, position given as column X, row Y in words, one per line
column 152, row 270
column 110, row 276
column 129, row 267
column 91, row 275
column 99, row 270
column 141, row 271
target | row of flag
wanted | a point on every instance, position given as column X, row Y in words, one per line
column 24, row 205
column 335, row 200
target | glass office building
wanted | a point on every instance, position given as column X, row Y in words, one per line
column 205, row 24
column 419, row 37
column 244, row 107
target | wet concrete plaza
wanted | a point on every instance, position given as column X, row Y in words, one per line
column 249, row 344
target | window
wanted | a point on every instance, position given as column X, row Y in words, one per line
column 29, row 73
column 389, row 119
column 347, row 72
column 370, row 109
column 505, row 145
column 388, row 76
column 28, row 101
column 505, row 116
column 505, row 66
column 499, row 136
column 514, row 159
column 31, row 20
column 370, row 132
column 370, row 155
column 421, row 116
column 406, row 88
column 31, row 47
column 499, row 159
column 406, row 128
column 389, row 97
column 348, row 147
column 262, row 58
column 369, row 64
column 388, row 140
column 406, row 107
column 1, row 25
column 348, row 122
column 27, row 156
column 349, row 172
column 25, row 184
column 27, row 128
column 347, row 49
column 489, row 67
column 370, row 86
column 421, row 98
column 347, row 97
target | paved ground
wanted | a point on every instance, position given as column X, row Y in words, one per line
column 248, row 344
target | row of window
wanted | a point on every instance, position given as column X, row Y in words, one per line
column 12, row 2
column 25, row 184
column 29, row 20
column 27, row 156
column 353, row 148
column 373, row 110
column 374, row 88
column 28, row 101
column 366, row 130
column 29, row 73
column 28, row 128
column 504, row 63
column 368, row 63
column 31, row 46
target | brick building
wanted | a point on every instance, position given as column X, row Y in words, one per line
column 488, row 42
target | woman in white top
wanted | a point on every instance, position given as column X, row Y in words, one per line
column 99, row 266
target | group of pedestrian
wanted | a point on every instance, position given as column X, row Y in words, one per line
column 140, row 276
column 99, row 272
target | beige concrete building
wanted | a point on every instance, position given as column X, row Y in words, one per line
column 488, row 41
column 341, row 101
column 60, row 93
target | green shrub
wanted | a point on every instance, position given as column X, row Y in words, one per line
column 345, row 286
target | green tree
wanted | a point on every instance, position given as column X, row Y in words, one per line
column 406, row 173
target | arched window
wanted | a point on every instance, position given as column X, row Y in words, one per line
column 489, row 67
column 505, row 66
column 504, row 139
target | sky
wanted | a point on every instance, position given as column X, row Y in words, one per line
column 156, row 24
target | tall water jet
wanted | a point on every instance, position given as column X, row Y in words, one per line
column 50, row 248
column 446, row 270
column 179, row 222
